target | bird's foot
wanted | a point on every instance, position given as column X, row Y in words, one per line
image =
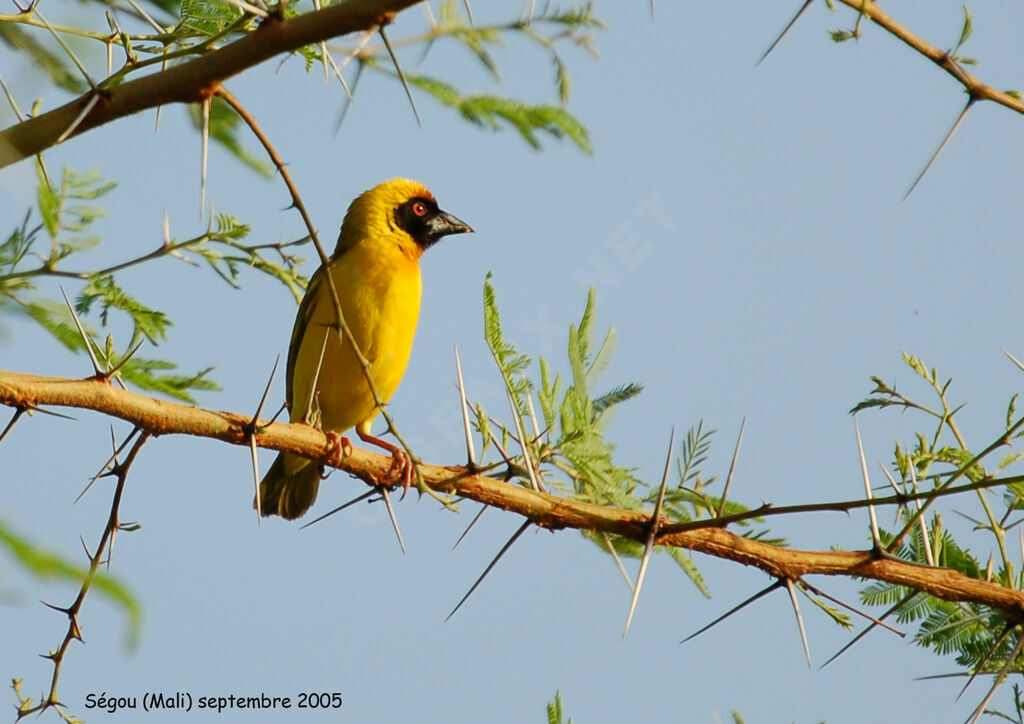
column 408, row 472
column 399, row 458
column 338, row 448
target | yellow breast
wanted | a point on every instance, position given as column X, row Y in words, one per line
column 380, row 297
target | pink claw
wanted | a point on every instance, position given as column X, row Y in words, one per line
column 399, row 457
column 338, row 447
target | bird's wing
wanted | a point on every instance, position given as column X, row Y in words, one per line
column 313, row 290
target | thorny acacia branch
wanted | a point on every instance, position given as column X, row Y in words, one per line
column 26, row 705
column 158, row 417
column 195, row 80
column 975, row 88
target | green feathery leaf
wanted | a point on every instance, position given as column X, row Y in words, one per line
column 61, row 74
column 492, row 111
column 148, row 322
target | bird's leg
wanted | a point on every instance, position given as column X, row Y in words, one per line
column 338, row 447
column 400, row 457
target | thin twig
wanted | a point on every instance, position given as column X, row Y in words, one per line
column 940, row 490
column 74, row 632
column 852, row 608
column 110, row 461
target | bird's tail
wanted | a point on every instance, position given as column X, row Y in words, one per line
column 290, row 486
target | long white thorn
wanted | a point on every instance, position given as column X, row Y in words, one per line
column 494, row 562
column 929, row 553
column 205, row 113
column 649, row 545
column 618, row 561
column 90, row 104
column 252, row 441
column 391, row 513
column 799, row 620
column 256, row 480
column 534, row 480
column 470, row 448
column 316, row 378
column 867, row 490
column 732, row 467
column 85, row 338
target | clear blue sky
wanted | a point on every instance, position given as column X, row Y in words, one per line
column 782, row 268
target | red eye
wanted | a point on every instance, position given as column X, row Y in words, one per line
column 419, row 208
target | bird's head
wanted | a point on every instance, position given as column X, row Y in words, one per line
column 400, row 212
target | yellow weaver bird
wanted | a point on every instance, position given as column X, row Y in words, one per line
column 376, row 271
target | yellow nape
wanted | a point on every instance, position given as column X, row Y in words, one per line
column 371, row 216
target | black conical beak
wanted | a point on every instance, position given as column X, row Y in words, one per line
column 442, row 224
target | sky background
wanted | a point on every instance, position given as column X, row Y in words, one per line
column 783, row 268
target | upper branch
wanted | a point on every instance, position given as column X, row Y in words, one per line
column 976, row 88
column 196, row 79
column 159, row 417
